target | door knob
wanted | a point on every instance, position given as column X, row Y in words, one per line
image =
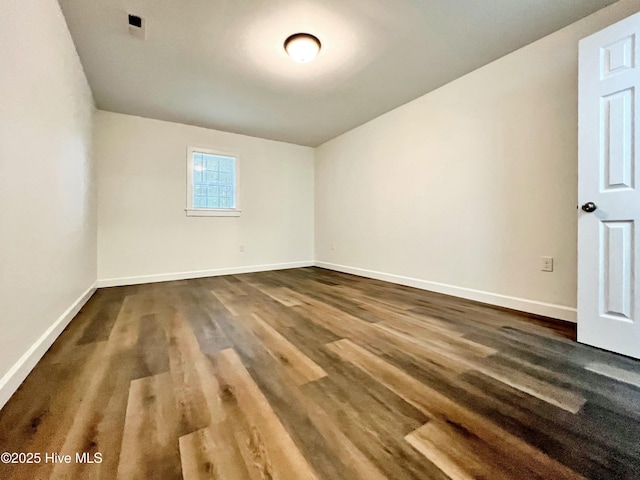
column 589, row 207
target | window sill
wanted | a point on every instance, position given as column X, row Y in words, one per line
column 209, row 212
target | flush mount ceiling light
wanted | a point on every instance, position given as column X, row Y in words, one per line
column 302, row 47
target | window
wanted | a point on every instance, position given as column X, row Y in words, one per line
column 212, row 184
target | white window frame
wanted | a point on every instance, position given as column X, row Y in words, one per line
column 211, row 212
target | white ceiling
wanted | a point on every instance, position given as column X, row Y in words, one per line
column 221, row 64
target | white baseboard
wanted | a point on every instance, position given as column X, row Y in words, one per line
column 560, row 312
column 10, row 382
column 168, row 277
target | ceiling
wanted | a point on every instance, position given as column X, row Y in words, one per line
column 221, row 64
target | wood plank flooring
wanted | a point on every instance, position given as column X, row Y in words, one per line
column 312, row 374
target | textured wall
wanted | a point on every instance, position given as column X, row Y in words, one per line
column 47, row 207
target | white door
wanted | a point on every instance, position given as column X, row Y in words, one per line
column 608, row 189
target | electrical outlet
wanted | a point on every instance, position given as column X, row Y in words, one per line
column 546, row 264
column 242, row 248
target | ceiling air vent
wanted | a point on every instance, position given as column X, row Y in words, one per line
column 137, row 26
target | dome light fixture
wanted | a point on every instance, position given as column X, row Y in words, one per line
column 302, row 47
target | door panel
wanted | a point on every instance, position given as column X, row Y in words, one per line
column 608, row 246
column 616, row 268
column 618, row 56
column 617, row 132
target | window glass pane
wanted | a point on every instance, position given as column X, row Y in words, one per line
column 226, row 164
column 212, row 163
column 214, row 180
column 200, row 201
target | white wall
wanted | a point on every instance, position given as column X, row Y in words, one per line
column 468, row 186
column 47, row 206
column 142, row 227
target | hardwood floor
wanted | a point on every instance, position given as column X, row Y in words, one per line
column 312, row 374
